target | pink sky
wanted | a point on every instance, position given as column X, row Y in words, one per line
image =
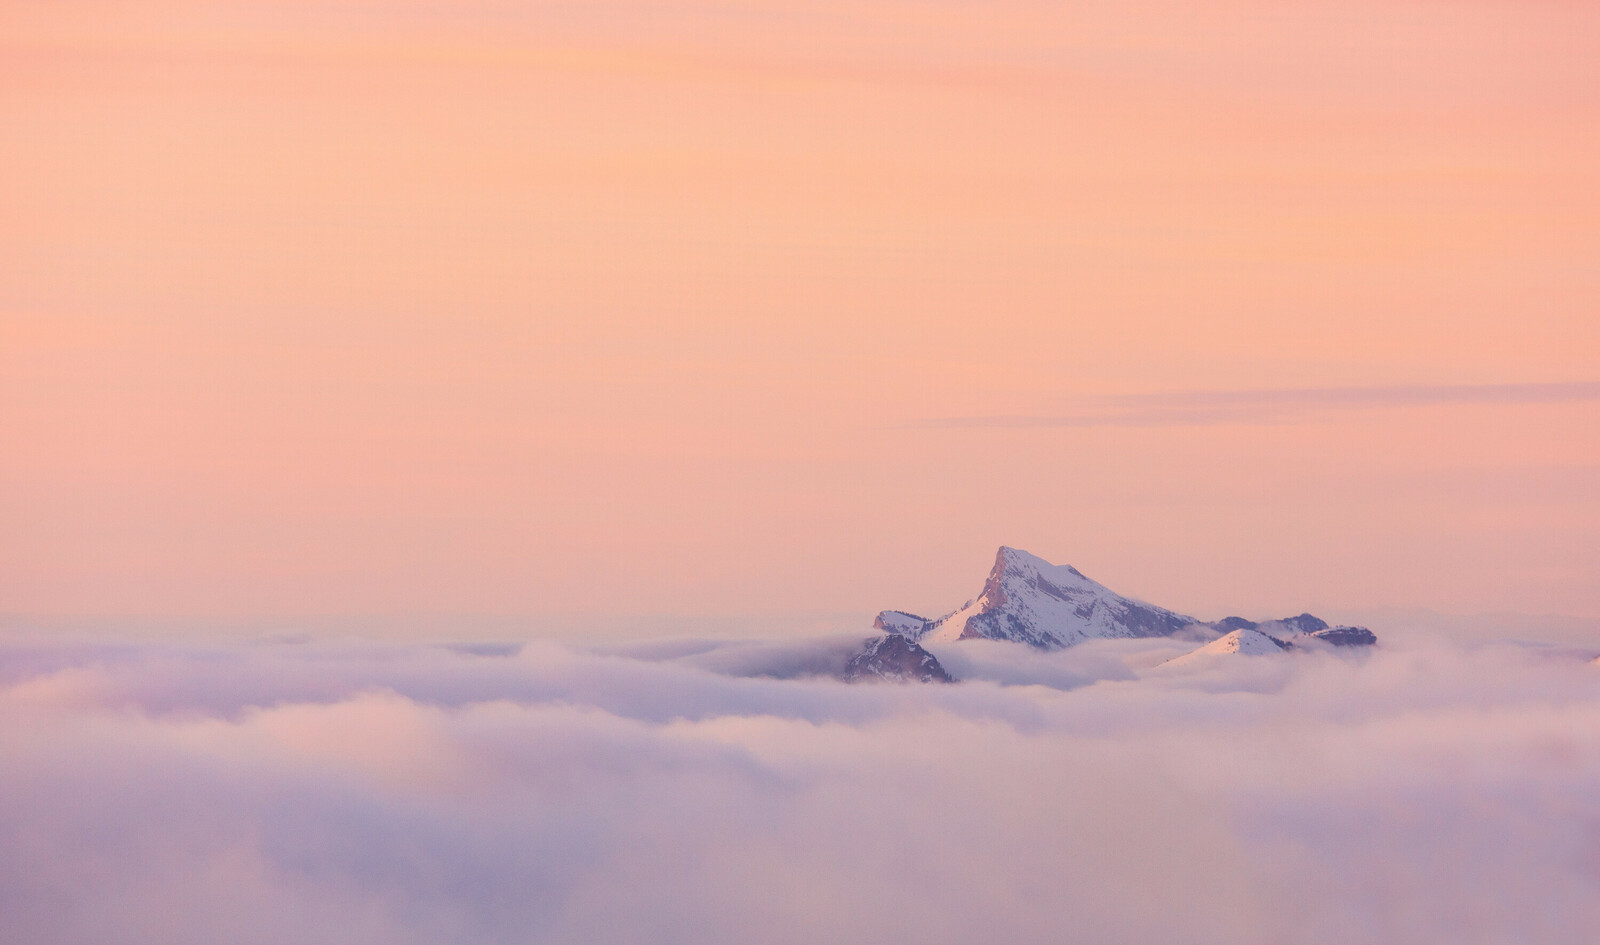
column 763, row 308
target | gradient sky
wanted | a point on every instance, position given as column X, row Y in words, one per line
column 755, row 307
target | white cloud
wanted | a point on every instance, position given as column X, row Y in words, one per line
column 354, row 793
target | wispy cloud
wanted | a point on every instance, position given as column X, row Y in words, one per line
column 1273, row 405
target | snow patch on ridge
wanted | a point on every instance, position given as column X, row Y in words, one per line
column 1242, row 642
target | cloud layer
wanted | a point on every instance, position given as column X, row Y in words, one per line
column 333, row 793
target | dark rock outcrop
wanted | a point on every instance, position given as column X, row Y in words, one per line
column 1345, row 636
column 1305, row 623
column 894, row 657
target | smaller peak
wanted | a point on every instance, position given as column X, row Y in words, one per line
column 1246, row 640
column 1241, row 642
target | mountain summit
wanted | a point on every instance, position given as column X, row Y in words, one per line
column 1244, row 642
column 1029, row 600
column 1050, row 606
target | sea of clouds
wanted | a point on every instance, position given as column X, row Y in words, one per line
column 723, row 792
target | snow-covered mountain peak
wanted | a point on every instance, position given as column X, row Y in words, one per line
column 1015, row 568
column 1016, row 561
column 1026, row 599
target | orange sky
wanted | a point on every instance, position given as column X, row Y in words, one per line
column 751, row 307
